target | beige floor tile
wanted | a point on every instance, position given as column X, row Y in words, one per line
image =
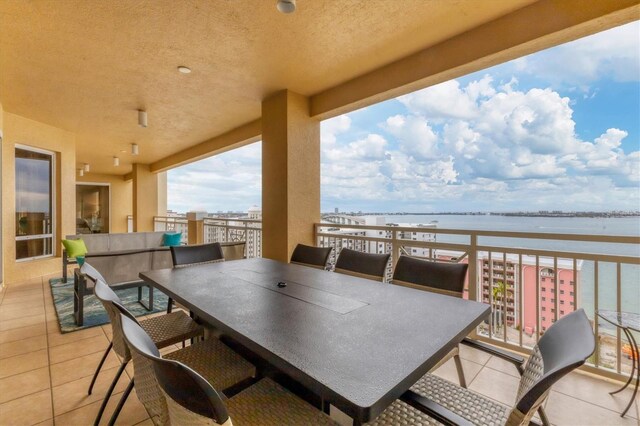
column 23, row 346
column 498, row 386
column 28, row 410
column 474, row 355
column 56, row 339
column 21, row 322
column 78, row 348
column 23, row 384
column 595, row 391
column 22, row 297
column 502, row 366
column 27, row 304
column 48, row 422
column 73, row 395
column 22, row 363
column 53, row 326
column 11, row 312
column 147, row 422
column 565, row 410
column 449, row 372
column 133, row 412
column 22, row 333
column 80, row 367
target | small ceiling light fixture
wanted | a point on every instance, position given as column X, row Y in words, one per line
column 81, row 172
column 286, row 6
column 142, row 118
column 116, row 161
column 86, row 167
column 184, row 70
column 135, row 150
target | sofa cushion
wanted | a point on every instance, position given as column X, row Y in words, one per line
column 95, row 243
column 171, row 239
column 121, row 266
column 161, row 258
column 153, row 239
column 127, row 241
column 75, row 247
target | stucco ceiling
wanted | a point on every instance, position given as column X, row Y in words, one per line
column 88, row 65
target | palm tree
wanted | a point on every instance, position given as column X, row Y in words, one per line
column 498, row 291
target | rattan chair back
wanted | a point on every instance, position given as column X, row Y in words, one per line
column 107, row 297
column 197, row 254
column 365, row 265
column 315, row 257
column 437, row 277
column 190, row 398
column 142, row 351
column 565, row 346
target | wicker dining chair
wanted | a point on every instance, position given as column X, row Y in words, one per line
column 314, row 257
column 565, row 346
column 221, row 366
column 166, row 330
column 364, row 265
column 436, row 277
column 184, row 256
column 178, row 394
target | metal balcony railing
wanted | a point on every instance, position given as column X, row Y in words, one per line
column 224, row 230
column 596, row 272
column 172, row 224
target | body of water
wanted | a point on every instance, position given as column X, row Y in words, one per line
column 607, row 274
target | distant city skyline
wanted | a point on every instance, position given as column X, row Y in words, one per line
column 555, row 130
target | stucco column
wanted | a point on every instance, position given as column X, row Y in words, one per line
column 290, row 174
column 145, row 197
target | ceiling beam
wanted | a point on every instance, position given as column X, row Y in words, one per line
column 240, row 136
column 533, row 28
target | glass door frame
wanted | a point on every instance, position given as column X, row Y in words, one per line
column 54, row 216
column 107, row 184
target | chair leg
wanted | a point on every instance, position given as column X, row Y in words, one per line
column 109, row 392
column 95, row 375
column 123, row 399
column 543, row 416
column 169, row 305
column 463, row 381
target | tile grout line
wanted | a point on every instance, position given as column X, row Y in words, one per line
column 592, row 403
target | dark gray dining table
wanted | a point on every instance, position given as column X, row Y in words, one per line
column 356, row 343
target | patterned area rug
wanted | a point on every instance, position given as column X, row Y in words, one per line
column 94, row 313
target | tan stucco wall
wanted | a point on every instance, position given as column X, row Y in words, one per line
column 20, row 130
column 121, row 198
column 145, row 197
column 290, row 174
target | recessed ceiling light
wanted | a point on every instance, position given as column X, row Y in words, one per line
column 286, row 6
column 184, row 70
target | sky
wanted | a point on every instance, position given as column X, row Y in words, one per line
column 555, row 130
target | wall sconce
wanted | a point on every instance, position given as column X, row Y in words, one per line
column 81, row 172
column 116, row 161
column 135, row 150
column 86, row 167
column 142, row 118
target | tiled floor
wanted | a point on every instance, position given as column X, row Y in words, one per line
column 44, row 374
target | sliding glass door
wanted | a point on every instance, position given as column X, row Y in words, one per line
column 34, row 203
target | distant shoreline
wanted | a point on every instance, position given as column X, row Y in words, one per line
column 615, row 214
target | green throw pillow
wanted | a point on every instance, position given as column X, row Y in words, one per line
column 75, row 248
column 174, row 239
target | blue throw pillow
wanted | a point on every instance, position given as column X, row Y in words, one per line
column 172, row 239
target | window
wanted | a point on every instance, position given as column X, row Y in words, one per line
column 543, row 289
column 561, row 291
column 561, row 281
column 544, row 309
column 572, row 282
column 571, row 293
column 544, row 319
column 553, row 310
column 562, row 302
column 544, row 298
column 34, row 203
column 561, row 312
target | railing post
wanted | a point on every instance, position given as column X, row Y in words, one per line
column 473, row 267
column 395, row 248
column 195, row 227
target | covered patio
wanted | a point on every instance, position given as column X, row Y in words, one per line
column 117, row 93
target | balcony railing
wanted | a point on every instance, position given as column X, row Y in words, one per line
column 224, row 230
column 172, row 224
column 576, row 272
